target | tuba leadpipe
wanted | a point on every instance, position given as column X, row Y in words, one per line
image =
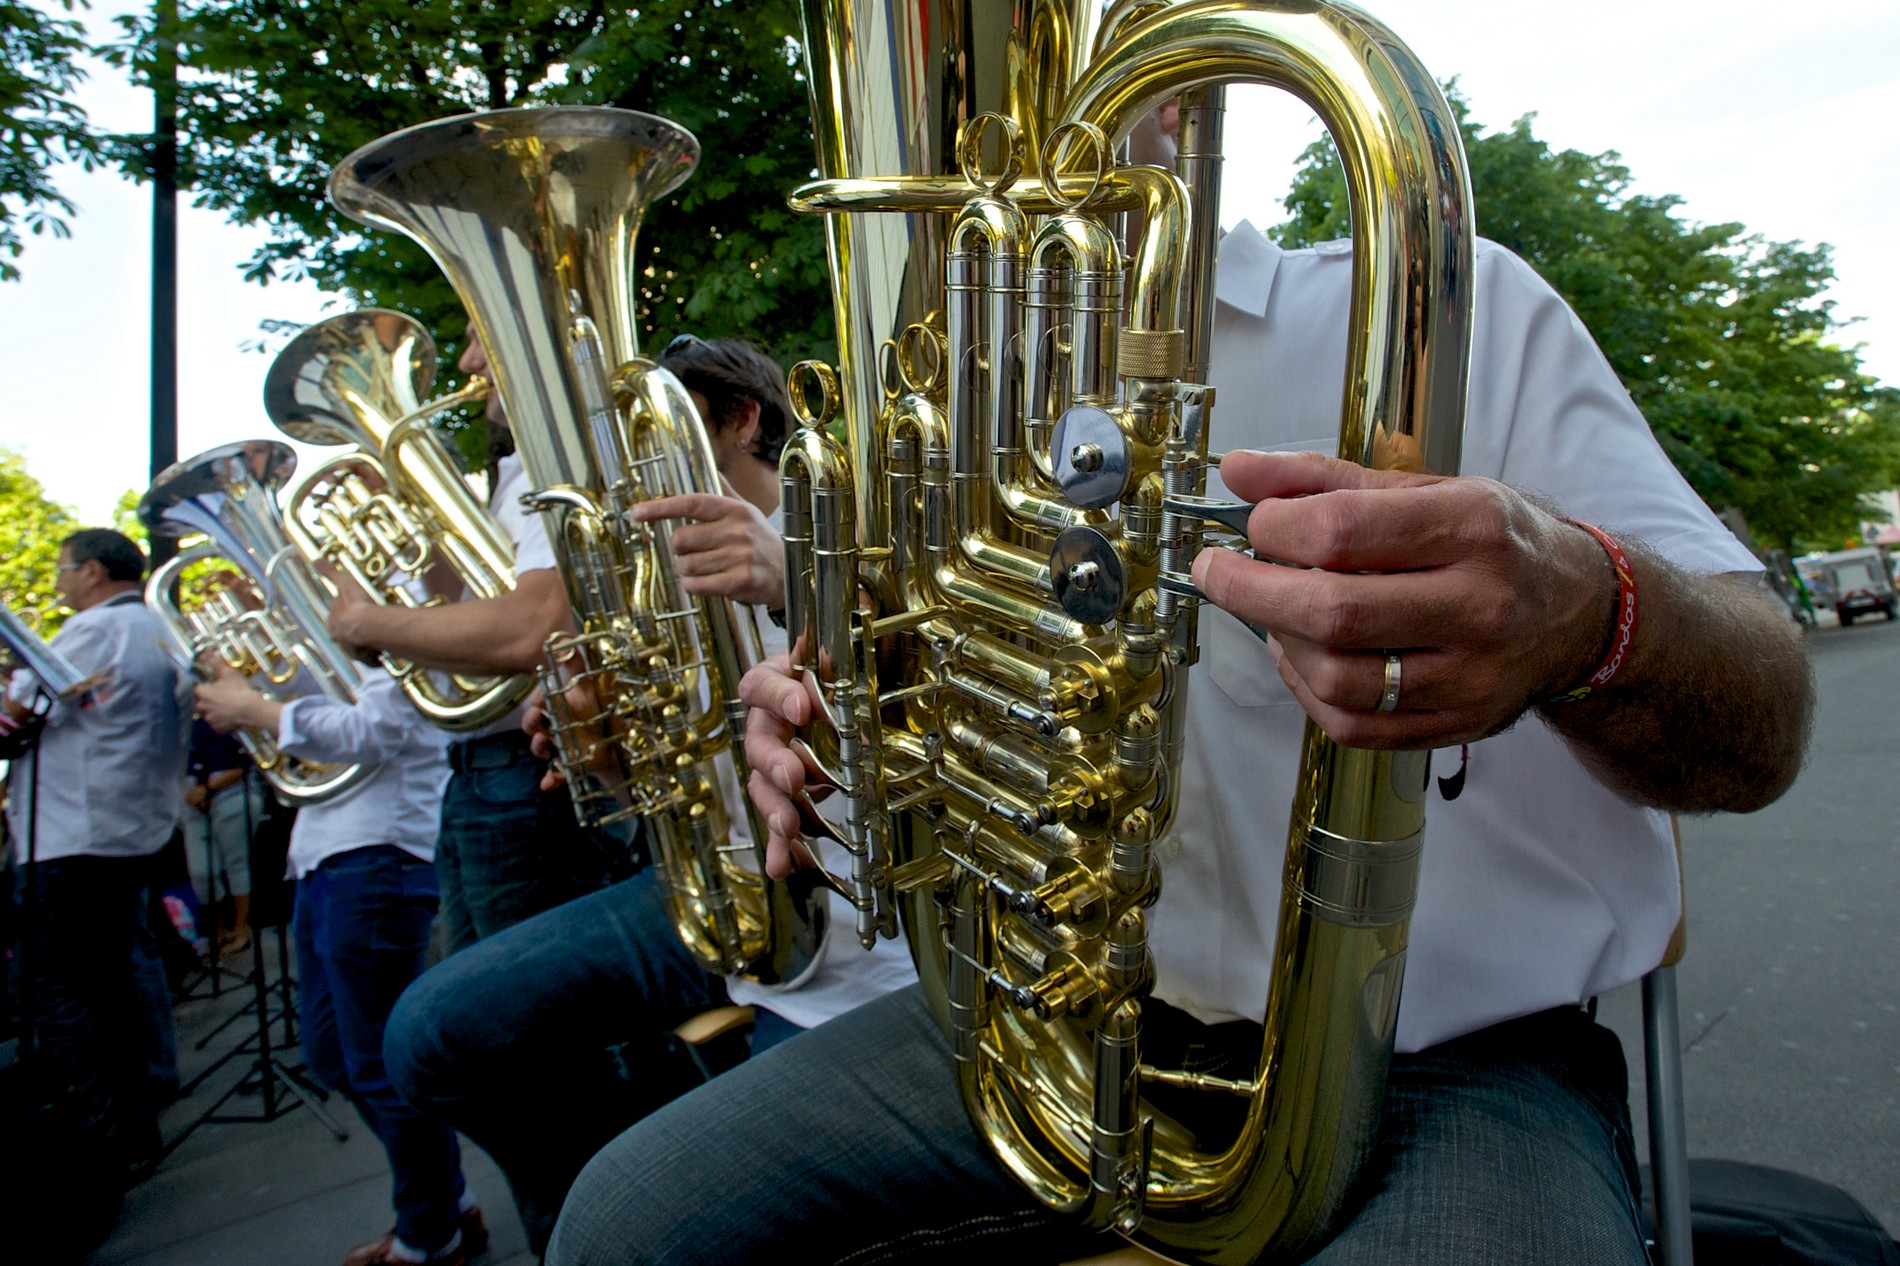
column 397, row 503
column 262, row 613
column 1012, row 457
column 532, row 214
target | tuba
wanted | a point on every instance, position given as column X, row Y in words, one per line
column 262, row 612
column 1011, row 459
column 532, row 214
column 391, row 508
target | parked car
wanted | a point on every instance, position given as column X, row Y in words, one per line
column 1857, row 581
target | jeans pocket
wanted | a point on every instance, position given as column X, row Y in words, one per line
column 512, row 784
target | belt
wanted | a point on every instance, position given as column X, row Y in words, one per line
column 491, row 751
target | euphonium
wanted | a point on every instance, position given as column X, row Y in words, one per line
column 389, row 510
column 1020, row 487
column 263, row 613
column 533, row 214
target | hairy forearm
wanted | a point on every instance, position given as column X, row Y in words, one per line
column 1711, row 713
column 486, row 635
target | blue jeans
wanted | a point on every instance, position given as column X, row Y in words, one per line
column 543, row 1042
column 848, row 1144
column 362, row 928
column 508, row 850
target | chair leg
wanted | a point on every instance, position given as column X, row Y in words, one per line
column 1668, row 1134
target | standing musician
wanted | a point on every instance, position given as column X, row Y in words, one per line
column 1549, row 878
column 548, row 1040
column 89, row 808
column 366, row 900
column 508, row 848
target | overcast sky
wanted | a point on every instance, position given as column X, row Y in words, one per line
column 1792, row 128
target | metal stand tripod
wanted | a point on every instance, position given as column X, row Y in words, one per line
column 281, row 1087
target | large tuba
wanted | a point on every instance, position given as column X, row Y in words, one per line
column 533, row 214
column 247, row 596
column 1011, row 458
column 396, row 504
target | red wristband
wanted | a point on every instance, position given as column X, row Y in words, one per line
column 1623, row 634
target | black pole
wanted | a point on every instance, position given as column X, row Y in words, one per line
column 164, row 441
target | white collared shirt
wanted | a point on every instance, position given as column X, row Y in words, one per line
column 1540, row 887
column 109, row 777
column 399, row 803
column 527, row 530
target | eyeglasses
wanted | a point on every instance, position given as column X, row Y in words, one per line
column 680, row 342
column 68, row 566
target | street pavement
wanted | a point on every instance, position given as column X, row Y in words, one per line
column 1790, row 987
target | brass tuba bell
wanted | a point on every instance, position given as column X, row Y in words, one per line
column 1025, row 421
column 532, row 214
column 391, row 508
column 261, row 612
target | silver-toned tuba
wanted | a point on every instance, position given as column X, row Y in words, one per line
column 247, row 596
column 533, row 214
column 390, row 509
column 1011, row 458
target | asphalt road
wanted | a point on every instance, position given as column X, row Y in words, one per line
column 1790, row 988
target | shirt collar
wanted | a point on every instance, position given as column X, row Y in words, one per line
column 1248, row 259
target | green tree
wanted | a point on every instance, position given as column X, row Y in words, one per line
column 1722, row 338
column 272, row 93
column 40, row 125
column 31, row 527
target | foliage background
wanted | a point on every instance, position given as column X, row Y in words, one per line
column 1721, row 337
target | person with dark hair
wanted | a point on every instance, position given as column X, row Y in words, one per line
column 91, row 805
column 548, row 1040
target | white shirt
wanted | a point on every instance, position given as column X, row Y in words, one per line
column 110, row 777
column 1539, row 887
column 843, row 975
column 527, row 530
column 398, row 803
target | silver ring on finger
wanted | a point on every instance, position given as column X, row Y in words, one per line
column 1389, row 700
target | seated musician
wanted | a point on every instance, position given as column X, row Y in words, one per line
column 507, row 847
column 548, row 1040
column 366, row 901
column 1418, row 612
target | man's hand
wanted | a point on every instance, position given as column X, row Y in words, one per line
column 782, row 774
column 197, row 795
column 350, row 613
column 1494, row 605
column 727, row 549
column 227, row 702
column 1491, row 602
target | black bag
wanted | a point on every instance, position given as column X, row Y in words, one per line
column 1752, row 1215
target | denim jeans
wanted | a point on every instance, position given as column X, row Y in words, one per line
column 848, row 1144
column 507, row 849
column 545, row 1041
column 91, row 978
column 362, row 929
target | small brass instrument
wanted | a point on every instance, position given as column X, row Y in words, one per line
column 532, row 214
column 388, row 510
column 262, row 613
column 1011, row 459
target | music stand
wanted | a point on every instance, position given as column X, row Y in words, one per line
column 282, row 1087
